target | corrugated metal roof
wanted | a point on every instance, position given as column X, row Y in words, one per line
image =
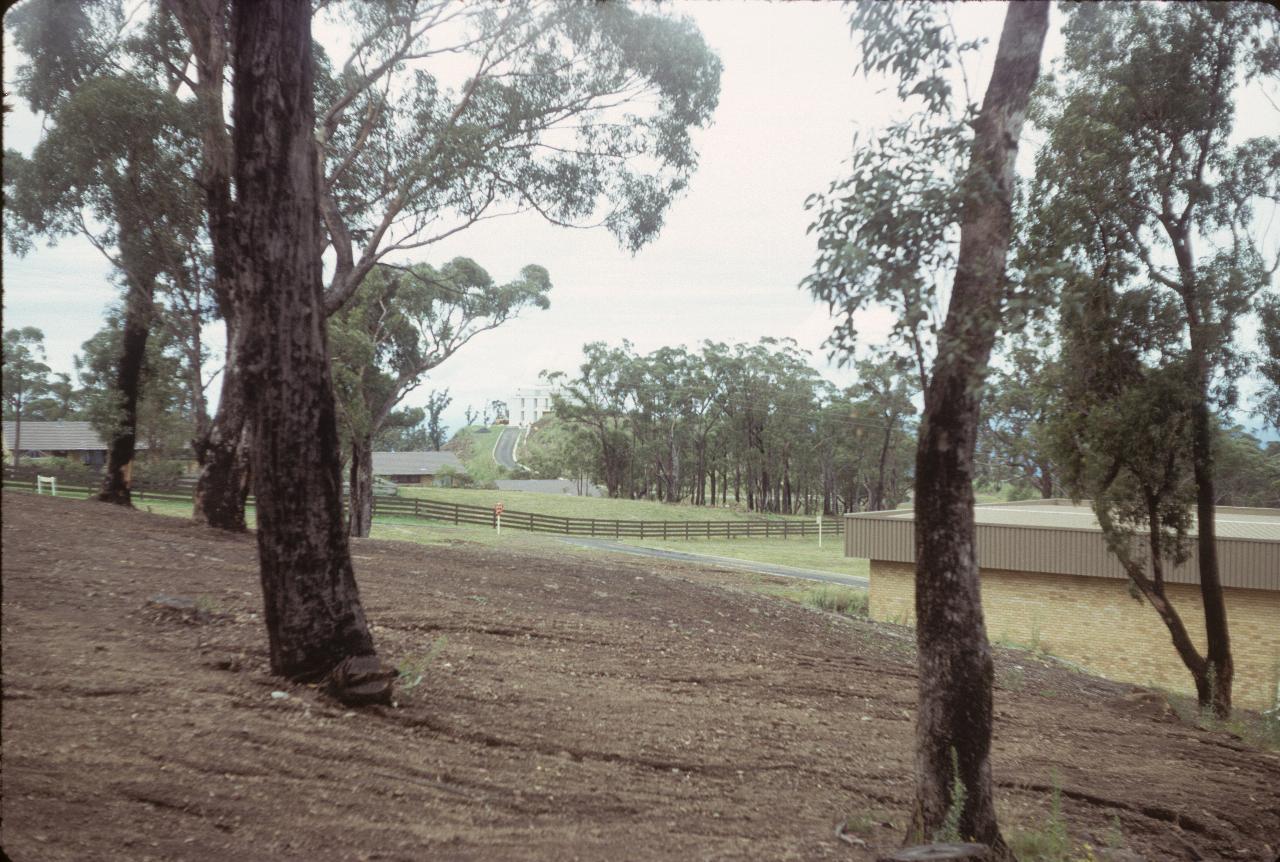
column 415, row 463
column 55, row 437
column 1259, row 524
column 1059, row 536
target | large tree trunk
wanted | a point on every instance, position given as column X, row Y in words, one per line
column 117, row 481
column 223, row 449
column 223, row 453
column 953, row 722
column 1220, row 665
column 313, row 613
column 360, row 519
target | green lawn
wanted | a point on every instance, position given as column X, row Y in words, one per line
column 802, row 553
column 474, row 447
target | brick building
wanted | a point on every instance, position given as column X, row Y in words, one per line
column 1049, row 580
column 416, row 468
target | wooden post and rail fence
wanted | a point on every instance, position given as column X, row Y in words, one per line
column 458, row 514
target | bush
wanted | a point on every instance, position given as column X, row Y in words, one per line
column 451, row 478
column 158, row 473
column 68, row 471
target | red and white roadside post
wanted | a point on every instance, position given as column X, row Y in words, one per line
column 497, row 518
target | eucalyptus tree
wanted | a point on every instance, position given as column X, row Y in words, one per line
column 1012, row 447
column 885, row 391
column 579, row 113
column 403, row 322
column 25, row 378
column 883, row 237
column 112, row 167
column 315, row 621
column 164, row 409
column 1139, row 163
column 600, row 399
column 1121, row 427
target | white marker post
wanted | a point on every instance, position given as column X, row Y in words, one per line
column 497, row 518
column 819, row 529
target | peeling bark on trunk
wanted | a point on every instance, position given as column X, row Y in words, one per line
column 313, row 613
column 223, row 449
column 954, row 716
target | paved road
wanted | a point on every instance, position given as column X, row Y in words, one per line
column 725, row 562
column 504, row 450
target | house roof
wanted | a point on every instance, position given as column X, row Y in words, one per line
column 55, row 437
column 415, row 463
column 1064, row 537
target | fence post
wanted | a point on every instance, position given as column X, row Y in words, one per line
column 785, row 529
column 664, row 531
column 617, row 529
column 567, row 531
column 415, row 506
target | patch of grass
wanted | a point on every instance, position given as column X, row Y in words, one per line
column 850, row 601
column 1258, row 729
column 1011, row 677
column 863, row 822
column 474, row 447
column 841, row 600
column 802, row 553
column 1048, row 841
column 206, row 604
column 413, row 667
column 1034, row 645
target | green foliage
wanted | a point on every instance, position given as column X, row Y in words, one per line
column 674, row 425
column 840, row 600
column 165, row 412
column 887, row 230
column 26, row 376
column 65, row 43
column 1048, row 842
column 556, row 449
column 403, row 322
column 1012, row 448
column 568, row 107
column 1137, row 163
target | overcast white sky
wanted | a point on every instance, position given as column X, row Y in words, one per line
column 729, row 261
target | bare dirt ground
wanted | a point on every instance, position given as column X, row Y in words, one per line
column 582, row 707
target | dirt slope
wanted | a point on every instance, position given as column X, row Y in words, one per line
column 582, row 708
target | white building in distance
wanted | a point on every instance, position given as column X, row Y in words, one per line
column 528, row 404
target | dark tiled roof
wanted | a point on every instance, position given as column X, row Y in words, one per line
column 55, row 437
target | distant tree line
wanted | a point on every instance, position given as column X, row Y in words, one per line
column 751, row 425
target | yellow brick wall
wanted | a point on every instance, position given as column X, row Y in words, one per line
column 1094, row 622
